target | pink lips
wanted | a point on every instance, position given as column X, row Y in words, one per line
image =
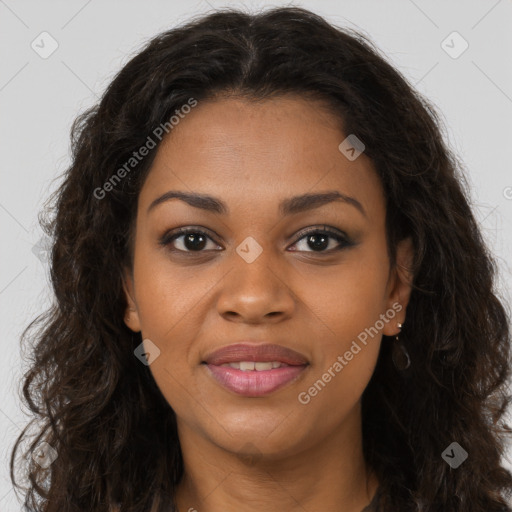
column 255, row 383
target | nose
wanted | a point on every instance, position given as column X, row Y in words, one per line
column 256, row 292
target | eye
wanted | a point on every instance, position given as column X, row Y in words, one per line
column 321, row 239
column 188, row 240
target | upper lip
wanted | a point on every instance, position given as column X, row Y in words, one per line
column 245, row 351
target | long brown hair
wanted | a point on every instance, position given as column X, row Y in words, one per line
column 100, row 409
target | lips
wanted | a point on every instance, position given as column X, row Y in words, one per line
column 257, row 353
column 255, row 370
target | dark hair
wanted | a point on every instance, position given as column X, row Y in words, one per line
column 102, row 411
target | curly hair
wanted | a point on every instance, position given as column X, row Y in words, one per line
column 101, row 410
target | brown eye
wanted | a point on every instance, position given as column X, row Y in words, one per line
column 322, row 240
column 188, row 240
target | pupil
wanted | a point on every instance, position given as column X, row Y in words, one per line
column 197, row 244
column 321, row 244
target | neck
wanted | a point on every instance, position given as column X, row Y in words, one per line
column 328, row 475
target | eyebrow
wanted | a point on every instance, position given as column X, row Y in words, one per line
column 290, row 206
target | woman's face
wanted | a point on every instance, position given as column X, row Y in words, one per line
column 263, row 271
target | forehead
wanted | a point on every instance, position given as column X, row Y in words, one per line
column 260, row 151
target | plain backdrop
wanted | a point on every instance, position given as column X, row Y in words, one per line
column 467, row 75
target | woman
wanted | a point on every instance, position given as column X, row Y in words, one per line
column 271, row 292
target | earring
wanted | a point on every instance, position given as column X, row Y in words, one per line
column 399, row 354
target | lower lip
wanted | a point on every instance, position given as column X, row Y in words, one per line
column 252, row 382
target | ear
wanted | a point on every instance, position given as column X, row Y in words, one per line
column 400, row 285
column 131, row 317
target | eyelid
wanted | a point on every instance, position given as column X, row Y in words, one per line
column 322, row 229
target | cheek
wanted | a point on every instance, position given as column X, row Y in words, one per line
column 168, row 301
column 349, row 306
column 174, row 305
column 167, row 309
column 354, row 295
column 166, row 294
column 346, row 358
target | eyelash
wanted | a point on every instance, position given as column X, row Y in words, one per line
column 169, row 237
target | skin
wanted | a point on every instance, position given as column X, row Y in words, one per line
column 269, row 453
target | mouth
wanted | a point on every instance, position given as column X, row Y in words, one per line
column 255, row 370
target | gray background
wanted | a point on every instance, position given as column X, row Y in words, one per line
column 39, row 98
